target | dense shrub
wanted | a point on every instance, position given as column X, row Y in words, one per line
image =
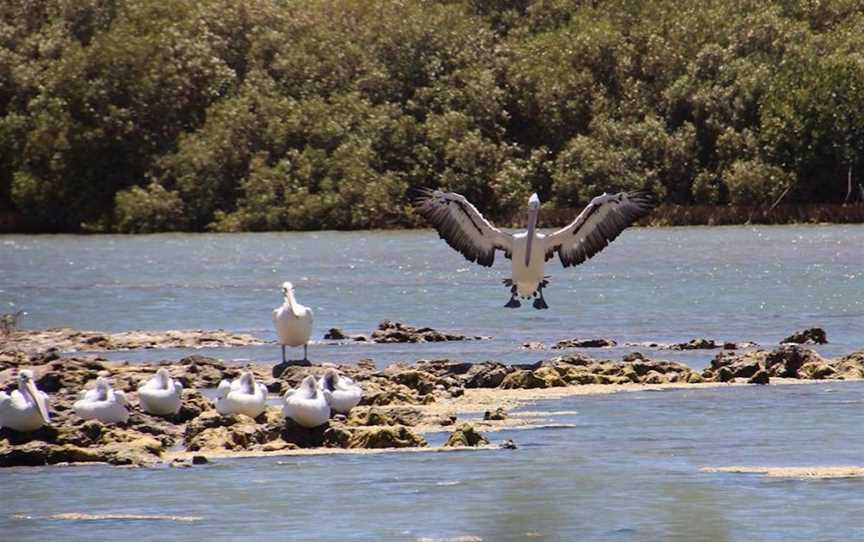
column 145, row 115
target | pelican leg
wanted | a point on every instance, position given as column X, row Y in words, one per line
column 539, row 302
column 513, row 303
column 283, row 353
column 305, row 352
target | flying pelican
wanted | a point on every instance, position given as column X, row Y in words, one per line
column 293, row 322
column 102, row 403
column 161, row 395
column 464, row 228
column 308, row 405
column 243, row 396
column 26, row 409
column 344, row 393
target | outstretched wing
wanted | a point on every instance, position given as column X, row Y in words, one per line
column 597, row 226
column 462, row 226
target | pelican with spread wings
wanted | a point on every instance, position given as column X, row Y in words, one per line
column 464, row 228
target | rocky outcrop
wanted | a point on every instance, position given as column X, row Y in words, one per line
column 495, row 415
column 391, row 436
column 336, row 334
column 465, row 436
column 814, row 335
column 787, row 361
column 584, row 343
column 695, row 344
column 73, row 340
column 397, row 332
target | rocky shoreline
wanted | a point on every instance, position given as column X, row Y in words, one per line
column 401, row 403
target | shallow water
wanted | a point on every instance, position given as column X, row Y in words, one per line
column 622, row 467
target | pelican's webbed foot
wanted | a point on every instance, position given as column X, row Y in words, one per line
column 513, row 303
column 540, row 303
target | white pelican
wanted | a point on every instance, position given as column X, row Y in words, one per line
column 243, row 396
column 464, row 228
column 293, row 322
column 161, row 395
column 308, row 405
column 102, row 403
column 26, row 409
column 344, row 393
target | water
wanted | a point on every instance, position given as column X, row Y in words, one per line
column 621, row 467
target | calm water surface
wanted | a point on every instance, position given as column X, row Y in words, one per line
column 620, row 467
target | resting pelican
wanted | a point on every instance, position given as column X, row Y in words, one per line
column 293, row 322
column 26, row 409
column 344, row 393
column 464, row 228
column 161, row 395
column 308, row 405
column 102, row 403
column 243, row 396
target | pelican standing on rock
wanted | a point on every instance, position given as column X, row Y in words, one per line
column 243, row 396
column 161, row 395
column 344, row 393
column 26, row 409
column 308, row 405
column 293, row 322
column 462, row 226
column 102, row 403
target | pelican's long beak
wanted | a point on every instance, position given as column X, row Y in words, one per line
column 38, row 400
column 533, row 212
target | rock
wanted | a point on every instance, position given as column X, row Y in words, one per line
column 397, row 436
column 533, row 345
column 584, row 343
column 786, row 360
column 71, row 340
column 397, row 332
column 633, row 356
column 760, row 377
column 822, row 371
column 199, row 459
column 508, row 445
column 498, row 414
column 420, row 381
column 465, row 435
column 375, row 416
column 522, row 379
column 213, row 431
column 486, row 375
column 814, row 335
column 695, row 344
column 724, row 374
column 335, row 334
column 850, row 367
column 550, row 376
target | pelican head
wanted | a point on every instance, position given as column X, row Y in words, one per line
column 102, row 388
column 534, row 202
column 307, row 387
column 328, row 381
column 163, row 378
column 27, row 387
column 287, row 288
column 247, row 383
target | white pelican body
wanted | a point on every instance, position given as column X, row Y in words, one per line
column 293, row 322
column 464, row 228
column 25, row 409
column 243, row 396
column 344, row 393
column 102, row 403
column 161, row 395
column 308, row 405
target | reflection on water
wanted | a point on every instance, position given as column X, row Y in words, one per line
column 619, row 467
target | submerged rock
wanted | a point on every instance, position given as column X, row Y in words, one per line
column 397, row 332
column 466, row 436
column 495, row 415
column 695, row 344
column 584, row 343
column 814, row 335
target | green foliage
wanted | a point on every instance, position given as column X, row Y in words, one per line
column 145, row 115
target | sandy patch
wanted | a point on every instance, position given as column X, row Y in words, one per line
column 818, row 472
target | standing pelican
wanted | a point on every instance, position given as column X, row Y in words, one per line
column 26, row 409
column 161, row 395
column 344, row 393
column 464, row 228
column 243, row 396
column 102, row 403
column 293, row 322
column 308, row 405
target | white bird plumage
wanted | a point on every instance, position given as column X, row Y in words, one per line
column 462, row 226
column 102, row 403
column 308, row 405
column 293, row 322
column 161, row 394
column 344, row 393
column 242, row 396
column 25, row 409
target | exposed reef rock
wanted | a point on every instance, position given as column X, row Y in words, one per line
column 466, row 435
column 397, row 332
column 73, row 340
column 584, row 343
column 336, row 334
column 814, row 335
column 695, row 344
